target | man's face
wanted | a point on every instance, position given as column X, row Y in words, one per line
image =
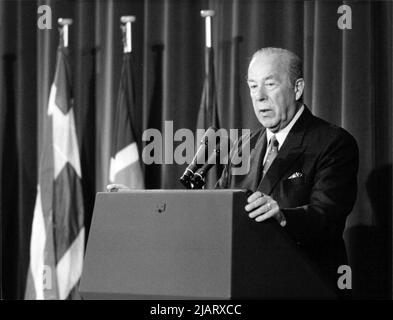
column 273, row 97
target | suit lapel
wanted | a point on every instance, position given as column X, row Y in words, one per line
column 287, row 155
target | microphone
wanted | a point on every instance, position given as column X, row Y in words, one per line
column 199, row 158
column 198, row 180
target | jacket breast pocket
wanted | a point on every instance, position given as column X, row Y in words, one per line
column 295, row 192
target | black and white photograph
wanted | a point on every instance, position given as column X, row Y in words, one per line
column 206, row 151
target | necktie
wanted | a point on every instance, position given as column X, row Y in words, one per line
column 271, row 155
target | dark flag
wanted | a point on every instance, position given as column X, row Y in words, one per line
column 208, row 114
column 58, row 233
column 125, row 166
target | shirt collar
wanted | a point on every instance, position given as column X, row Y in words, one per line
column 282, row 134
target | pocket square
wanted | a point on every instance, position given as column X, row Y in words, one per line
column 295, row 175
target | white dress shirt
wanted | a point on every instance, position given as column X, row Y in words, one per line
column 282, row 134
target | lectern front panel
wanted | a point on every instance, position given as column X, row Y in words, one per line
column 159, row 244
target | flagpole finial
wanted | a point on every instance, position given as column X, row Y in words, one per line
column 64, row 27
column 65, row 21
column 207, row 15
column 125, row 19
column 127, row 34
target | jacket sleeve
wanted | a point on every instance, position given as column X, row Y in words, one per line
column 333, row 192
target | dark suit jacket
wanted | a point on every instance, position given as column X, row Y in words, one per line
column 317, row 203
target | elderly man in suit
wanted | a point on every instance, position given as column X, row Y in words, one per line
column 302, row 169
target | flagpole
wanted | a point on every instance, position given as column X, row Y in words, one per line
column 125, row 169
column 207, row 112
column 208, row 15
column 64, row 28
column 127, row 34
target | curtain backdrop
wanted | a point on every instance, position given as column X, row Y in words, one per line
column 348, row 76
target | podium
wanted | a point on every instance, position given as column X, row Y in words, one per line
column 191, row 244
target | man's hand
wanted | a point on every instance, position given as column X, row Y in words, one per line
column 117, row 188
column 261, row 207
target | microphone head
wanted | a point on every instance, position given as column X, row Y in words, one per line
column 200, row 158
column 185, row 179
column 198, row 180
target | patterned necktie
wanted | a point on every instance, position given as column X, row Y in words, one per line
column 271, row 154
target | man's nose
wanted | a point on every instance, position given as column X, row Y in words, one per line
column 261, row 94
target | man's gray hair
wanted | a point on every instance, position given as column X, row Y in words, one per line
column 293, row 62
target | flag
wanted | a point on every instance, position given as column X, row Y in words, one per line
column 58, row 233
column 208, row 114
column 125, row 167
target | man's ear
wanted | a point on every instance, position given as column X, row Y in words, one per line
column 299, row 88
